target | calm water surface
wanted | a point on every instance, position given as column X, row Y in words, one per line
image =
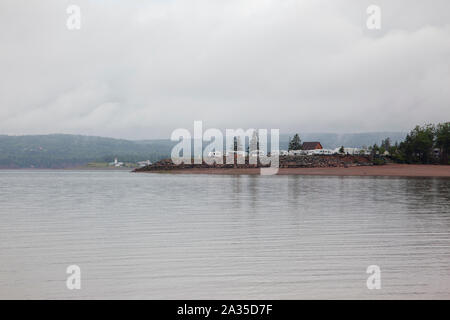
column 200, row 236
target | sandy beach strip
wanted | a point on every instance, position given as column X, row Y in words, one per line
column 390, row 170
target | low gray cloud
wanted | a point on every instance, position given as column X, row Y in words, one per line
column 139, row 69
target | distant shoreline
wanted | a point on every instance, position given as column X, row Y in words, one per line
column 389, row 170
column 68, row 169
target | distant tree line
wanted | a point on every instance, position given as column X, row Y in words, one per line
column 426, row 144
column 423, row 145
column 62, row 151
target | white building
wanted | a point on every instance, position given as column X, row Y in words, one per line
column 296, row 152
column 215, row 154
column 254, row 153
column 352, row 151
column 116, row 163
column 321, row 151
column 144, row 163
column 239, row 153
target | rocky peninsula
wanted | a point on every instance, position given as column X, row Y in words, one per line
column 317, row 165
column 301, row 161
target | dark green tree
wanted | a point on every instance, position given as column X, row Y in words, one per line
column 418, row 145
column 295, row 143
column 443, row 141
column 254, row 142
column 237, row 144
column 385, row 145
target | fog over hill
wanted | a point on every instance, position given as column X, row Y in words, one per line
column 66, row 151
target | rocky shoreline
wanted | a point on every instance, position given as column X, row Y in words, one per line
column 314, row 161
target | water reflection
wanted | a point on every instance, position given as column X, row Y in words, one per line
column 187, row 236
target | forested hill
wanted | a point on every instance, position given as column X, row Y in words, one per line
column 65, row 151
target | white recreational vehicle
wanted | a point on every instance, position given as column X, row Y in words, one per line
column 215, row 154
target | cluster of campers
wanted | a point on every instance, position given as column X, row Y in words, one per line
column 308, row 149
column 119, row 164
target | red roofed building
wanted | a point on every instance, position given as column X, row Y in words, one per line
column 311, row 146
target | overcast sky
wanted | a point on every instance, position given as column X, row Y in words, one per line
column 140, row 69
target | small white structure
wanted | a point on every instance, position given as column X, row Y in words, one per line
column 144, row 163
column 322, row 151
column 215, row 154
column 239, row 153
column 296, row 152
column 275, row 153
column 436, row 152
column 254, row 153
column 352, row 151
column 116, row 163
